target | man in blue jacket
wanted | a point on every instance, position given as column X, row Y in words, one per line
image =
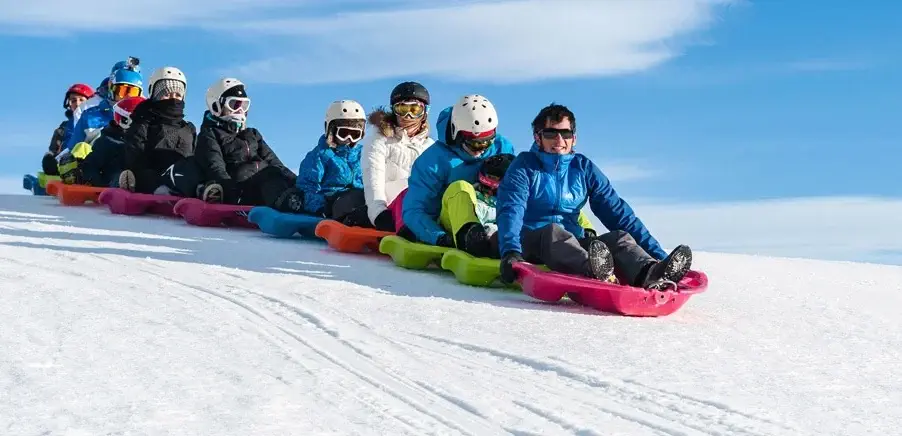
column 439, row 206
column 539, row 201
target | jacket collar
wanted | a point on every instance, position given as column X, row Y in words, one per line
column 551, row 162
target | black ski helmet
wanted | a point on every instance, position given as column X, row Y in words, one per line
column 492, row 169
column 408, row 90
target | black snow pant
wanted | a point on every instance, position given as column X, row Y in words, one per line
column 262, row 189
column 103, row 164
column 182, row 178
column 560, row 251
column 346, row 206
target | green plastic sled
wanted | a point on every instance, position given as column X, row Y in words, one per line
column 411, row 255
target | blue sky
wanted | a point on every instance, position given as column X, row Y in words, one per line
column 685, row 103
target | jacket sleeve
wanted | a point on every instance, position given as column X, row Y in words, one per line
column 266, row 153
column 373, row 169
column 135, row 140
column 615, row 213
column 58, row 139
column 78, row 132
column 512, row 197
column 309, row 181
column 208, row 154
column 423, row 195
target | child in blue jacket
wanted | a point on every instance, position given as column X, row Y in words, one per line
column 330, row 177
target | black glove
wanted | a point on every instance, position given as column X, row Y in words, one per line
column 445, row 241
column 589, row 233
column 385, row 221
column 508, row 275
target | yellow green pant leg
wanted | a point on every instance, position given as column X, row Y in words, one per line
column 69, row 164
column 458, row 207
column 583, row 220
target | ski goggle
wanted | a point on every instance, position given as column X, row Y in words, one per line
column 409, row 109
column 351, row 134
column 550, row 133
column 489, row 182
column 477, row 142
column 235, row 104
column 121, row 91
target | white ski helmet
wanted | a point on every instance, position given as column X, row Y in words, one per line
column 170, row 73
column 215, row 91
column 344, row 110
column 473, row 113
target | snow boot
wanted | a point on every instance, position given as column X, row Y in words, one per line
column 601, row 262
column 212, row 193
column 669, row 272
column 290, row 201
column 50, row 165
column 473, row 239
column 127, row 180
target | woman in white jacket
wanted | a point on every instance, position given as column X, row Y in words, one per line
column 401, row 135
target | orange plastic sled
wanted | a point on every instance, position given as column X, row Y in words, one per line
column 350, row 239
column 74, row 195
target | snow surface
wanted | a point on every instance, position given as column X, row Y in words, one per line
column 145, row 325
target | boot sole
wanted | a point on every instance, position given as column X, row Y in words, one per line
column 679, row 264
column 601, row 262
column 127, row 180
column 212, row 194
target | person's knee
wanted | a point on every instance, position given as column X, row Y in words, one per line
column 458, row 187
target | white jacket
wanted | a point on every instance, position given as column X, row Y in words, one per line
column 386, row 164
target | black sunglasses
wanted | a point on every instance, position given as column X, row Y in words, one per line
column 549, row 133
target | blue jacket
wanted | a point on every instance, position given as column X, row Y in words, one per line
column 432, row 172
column 94, row 118
column 541, row 188
column 326, row 171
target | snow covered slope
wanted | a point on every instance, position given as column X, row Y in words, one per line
column 143, row 325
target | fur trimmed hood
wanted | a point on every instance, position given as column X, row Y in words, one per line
column 384, row 120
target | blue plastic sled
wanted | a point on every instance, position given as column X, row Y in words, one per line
column 30, row 183
column 281, row 224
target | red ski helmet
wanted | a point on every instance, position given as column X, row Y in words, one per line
column 80, row 89
column 122, row 110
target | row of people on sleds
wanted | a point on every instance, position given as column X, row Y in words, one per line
column 467, row 189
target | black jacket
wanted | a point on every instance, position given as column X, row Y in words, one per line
column 159, row 136
column 58, row 140
column 225, row 153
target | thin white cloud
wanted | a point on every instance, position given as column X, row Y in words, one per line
column 57, row 17
column 619, row 172
column 828, row 64
column 498, row 41
column 833, row 228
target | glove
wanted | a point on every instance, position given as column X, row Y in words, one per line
column 445, row 241
column 589, row 233
column 508, row 275
column 385, row 221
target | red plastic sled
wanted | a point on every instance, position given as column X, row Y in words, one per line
column 124, row 202
column 199, row 213
column 607, row 297
column 350, row 239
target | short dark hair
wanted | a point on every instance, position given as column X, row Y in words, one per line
column 554, row 113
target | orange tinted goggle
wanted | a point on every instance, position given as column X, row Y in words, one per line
column 120, row 91
column 415, row 110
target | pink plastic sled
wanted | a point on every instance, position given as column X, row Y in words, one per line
column 624, row 300
column 124, row 202
column 199, row 213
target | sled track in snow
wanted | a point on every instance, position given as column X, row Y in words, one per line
column 300, row 332
column 663, row 411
